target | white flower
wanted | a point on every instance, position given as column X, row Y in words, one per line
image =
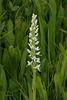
column 36, row 30
column 28, row 51
column 30, row 41
column 32, row 25
column 30, row 35
column 36, row 35
column 37, row 26
column 38, row 60
column 34, row 16
column 37, row 49
column 33, row 42
column 29, row 63
column 33, row 58
column 37, row 53
column 30, row 55
column 36, row 22
column 29, row 44
column 32, row 21
column 32, row 47
column 37, row 67
column 34, row 38
column 37, row 42
column 30, row 28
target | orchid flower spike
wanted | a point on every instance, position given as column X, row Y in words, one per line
column 33, row 44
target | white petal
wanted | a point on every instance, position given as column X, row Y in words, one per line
column 34, row 38
column 36, row 21
column 32, row 47
column 36, row 30
column 38, row 60
column 35, row 15
column 32, row 25
column 37, row 53
column 29, row 63
column 30, row 35
column 32, row 21
column 28, row 51
column 29, row 44
column 36, row 34
column 37, row 67
column 30, row 55
column 30, row 41
column 37, row 26
column 37, row 42
column 37, row 49
column 33, row 58
column 30, row 28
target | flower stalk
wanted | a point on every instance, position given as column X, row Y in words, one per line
column 34, row 51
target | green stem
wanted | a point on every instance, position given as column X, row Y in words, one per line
column 34, row 87
column 0, row 26
column 0, row 41
column 49, row 48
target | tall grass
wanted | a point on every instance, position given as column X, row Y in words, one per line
column 0, row 26
column 15, row 78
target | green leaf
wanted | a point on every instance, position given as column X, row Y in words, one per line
column 41, row 23
column 30, row 92
column 63, row 31
column 28, row 75
column 28, row 11
column 58, row 83
column 3, row 83
column 23, row 64
column 24, row 84
column 11, row 51
column 64, row 63
column 10, row 5
column 61, row 13
column 15, row 8
column 6, row 61
column 13, row 86
column 15, row 55
column 14, row 89
column 10, row 36
column 2, row 26
column 24, row 42
column 24, row 95
column 42, row 92
column 62, row 48
column 59, row 20
column 51, row 36
column 65, row 95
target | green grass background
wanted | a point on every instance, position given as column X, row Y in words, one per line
column 15, row 77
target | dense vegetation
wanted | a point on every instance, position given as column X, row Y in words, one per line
column 15, row 77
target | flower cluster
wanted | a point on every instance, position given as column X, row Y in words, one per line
column 34, row 50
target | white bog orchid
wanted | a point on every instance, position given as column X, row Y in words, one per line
column 33, row 44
